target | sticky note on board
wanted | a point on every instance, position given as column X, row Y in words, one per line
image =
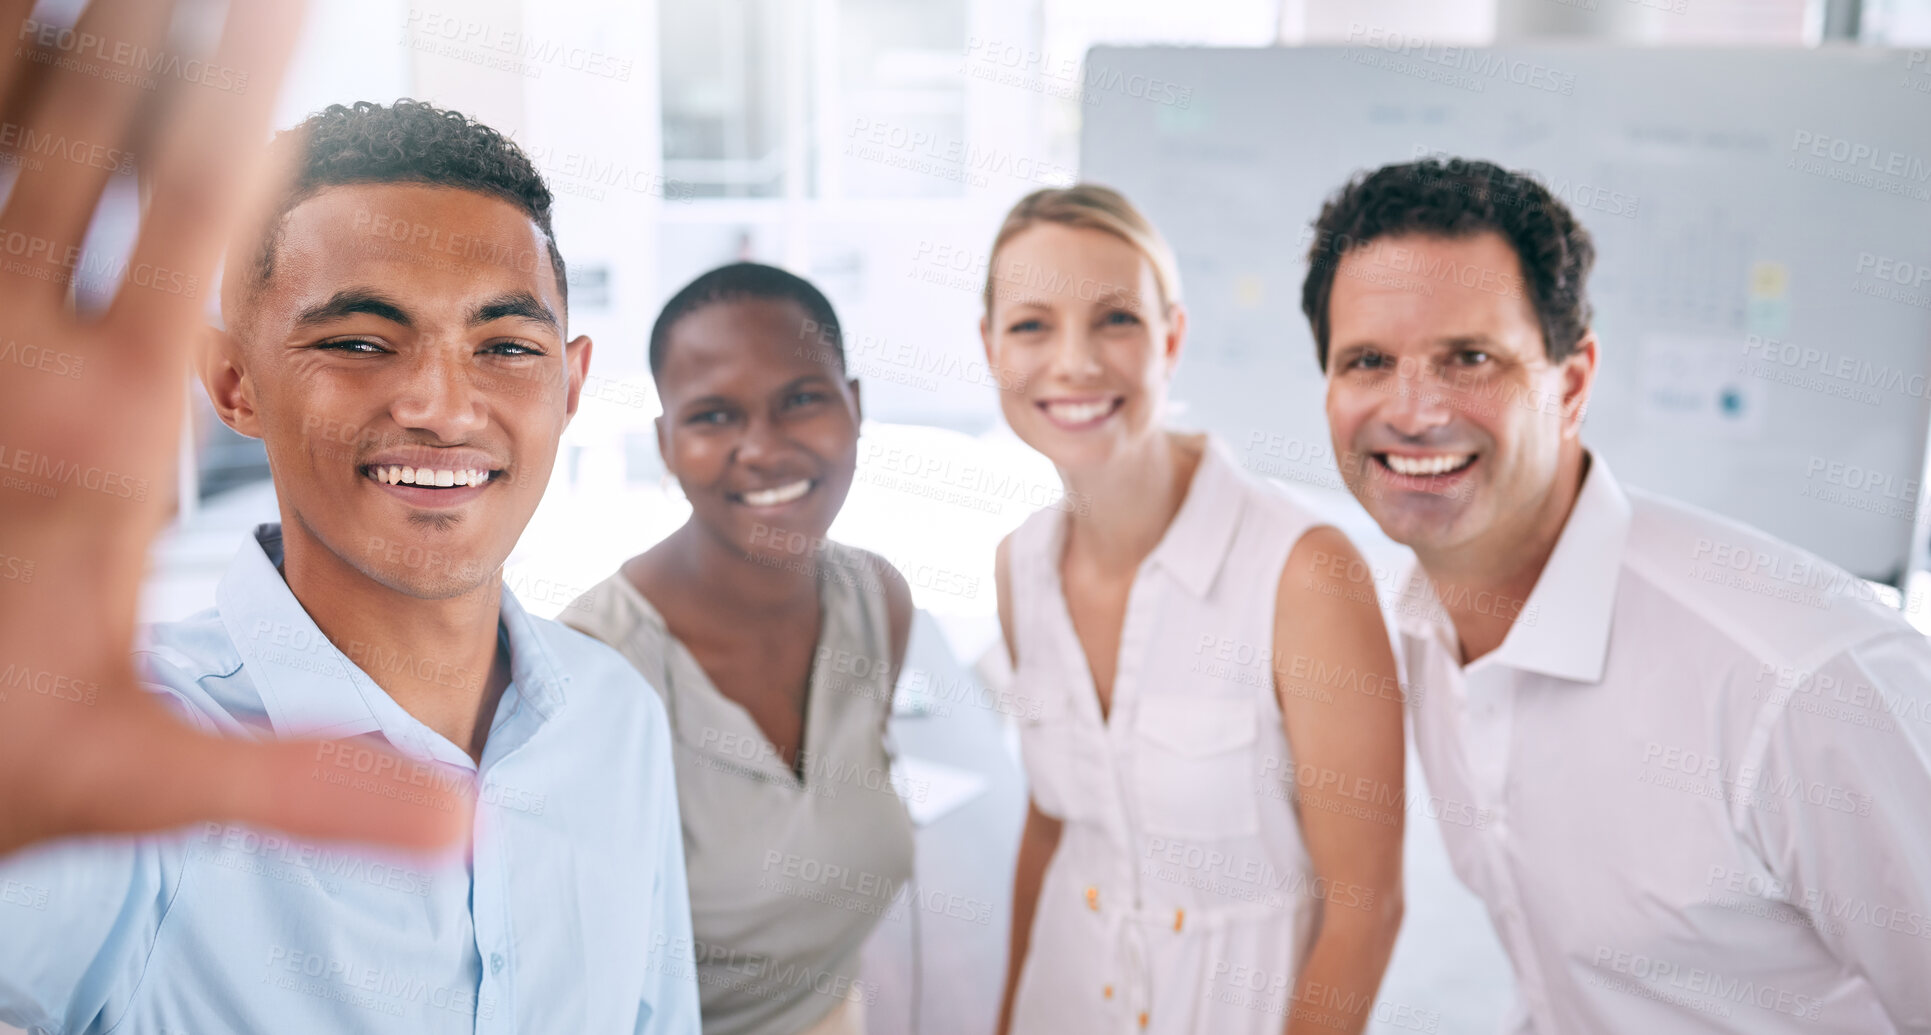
column 1766, row 310
column 1248, row 291
column 1769, row 280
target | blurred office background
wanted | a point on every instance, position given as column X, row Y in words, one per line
column 680, row 136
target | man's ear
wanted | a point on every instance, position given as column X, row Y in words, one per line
column 1578, row 380
column 858, row 407
column 576, row 365
column 223, row 368
column 985, row 337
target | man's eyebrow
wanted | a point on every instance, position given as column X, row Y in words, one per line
column 351, row 302
column 1337, row 353
column 516, row 303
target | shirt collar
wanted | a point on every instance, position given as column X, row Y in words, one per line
column 1563, row 629
column 311, row 689
column 1196, row 544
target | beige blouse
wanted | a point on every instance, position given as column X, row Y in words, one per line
column 788, row 875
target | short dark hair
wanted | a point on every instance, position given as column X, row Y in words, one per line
column 747, row 280
column 1459, row 197
column 405, row 142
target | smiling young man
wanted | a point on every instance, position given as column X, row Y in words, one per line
column 1699, row 801
column 396, row 339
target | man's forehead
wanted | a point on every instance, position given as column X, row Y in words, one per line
column 412, row 237
column 1394, row 280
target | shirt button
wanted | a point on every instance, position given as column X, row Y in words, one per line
column 496, row 963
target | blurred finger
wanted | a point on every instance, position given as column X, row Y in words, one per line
column 209, row 171
column 146, row 771
column 14, row 21
column 350, row 791
column 75, row 134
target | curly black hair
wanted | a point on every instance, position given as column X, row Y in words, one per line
column 748, row 280
column 405, row 142
column 1459, row 197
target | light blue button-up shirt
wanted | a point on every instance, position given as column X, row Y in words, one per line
column 571, row 915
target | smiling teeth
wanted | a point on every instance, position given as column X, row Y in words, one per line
column 1421, row 466
column 1079, row 413
column 390, row 474
column 781, row 494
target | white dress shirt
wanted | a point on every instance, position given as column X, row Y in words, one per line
column 1692, row 785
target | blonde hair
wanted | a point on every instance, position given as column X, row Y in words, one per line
column 1089, row 206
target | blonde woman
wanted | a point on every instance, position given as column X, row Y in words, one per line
column 1213, row 729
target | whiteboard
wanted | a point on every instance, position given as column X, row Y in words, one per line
column 1763, row 229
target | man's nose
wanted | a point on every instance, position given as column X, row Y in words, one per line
column 439, row 396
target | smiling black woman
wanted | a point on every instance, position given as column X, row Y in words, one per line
column 782, row 767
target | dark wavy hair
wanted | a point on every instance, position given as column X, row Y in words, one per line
column 747, row 280
column 1459, row 197
column 405, row 142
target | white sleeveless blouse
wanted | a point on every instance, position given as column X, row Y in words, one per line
column 1180, row 898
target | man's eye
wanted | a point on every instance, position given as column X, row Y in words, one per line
column 1121, row 318
column 513, row 348
column 1026, row 327
column 355, row 345
column 1365, row 361
column 805, row 398
column 1473, row 357
column 708, row 417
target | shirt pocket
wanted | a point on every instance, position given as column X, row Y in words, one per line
column 1194, row 771
column 1063, row 772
